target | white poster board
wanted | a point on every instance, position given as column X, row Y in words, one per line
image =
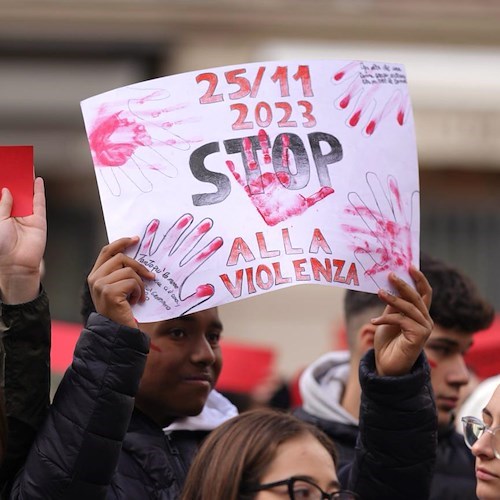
column 245, row 179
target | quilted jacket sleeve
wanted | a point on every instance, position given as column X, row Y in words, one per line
column 76, row 451
column 25, row 334
column 396, row 446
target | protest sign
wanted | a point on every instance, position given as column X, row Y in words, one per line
column 244, row 179
column 17, row 173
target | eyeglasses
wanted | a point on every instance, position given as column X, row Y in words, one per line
column 300, row 488
column 475, row 428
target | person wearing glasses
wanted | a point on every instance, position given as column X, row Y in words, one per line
column 483, row 438
column 330, row 386
column 266, row 455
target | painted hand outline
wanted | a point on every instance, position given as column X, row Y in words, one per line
column 383, row 238
column 173, row 260
column 130, row 138
column 155, row 111
column 268, row 192
column 368, row 107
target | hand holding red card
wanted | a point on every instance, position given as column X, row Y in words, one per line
column 23, row 225
column 17, row 174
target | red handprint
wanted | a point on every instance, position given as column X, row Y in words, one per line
column 174, row 259
column 384, row 239
column 155, row 111
column 365, row 91
column 268, row 192
column 131, row 137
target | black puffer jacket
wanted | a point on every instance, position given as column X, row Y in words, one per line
column 93, row 444
column 343, row 435
column 153, row 464
column 396, row 446
column 25, row 335
column 455, row 476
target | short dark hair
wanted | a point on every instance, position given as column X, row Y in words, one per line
column 356, row 302
column 359, row 308
column 457, row 303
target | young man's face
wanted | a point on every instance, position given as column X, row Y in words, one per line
column 183, row 365
column 445, row 351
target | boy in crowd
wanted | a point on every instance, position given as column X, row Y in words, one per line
column 120, row 424
column 330, row 386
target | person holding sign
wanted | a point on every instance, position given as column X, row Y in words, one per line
column 94, row 444
column 143, row 364
column 330, row 386
column 264, row 454
column 131, row 410
column 24, row 324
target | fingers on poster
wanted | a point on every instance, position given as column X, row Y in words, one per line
column 131, row 141
column 382, row 233
column 363, row 99
column 174, row 255
column 274, row 193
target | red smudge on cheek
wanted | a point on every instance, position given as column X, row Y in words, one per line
column 432, row 363
column 355, row 118
column 154, row 347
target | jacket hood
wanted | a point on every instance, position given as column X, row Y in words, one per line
column 322, row 385
column 217, row 410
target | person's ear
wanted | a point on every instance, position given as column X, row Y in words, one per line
column 366, row 337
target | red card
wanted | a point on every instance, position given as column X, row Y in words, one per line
column 17, row 173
